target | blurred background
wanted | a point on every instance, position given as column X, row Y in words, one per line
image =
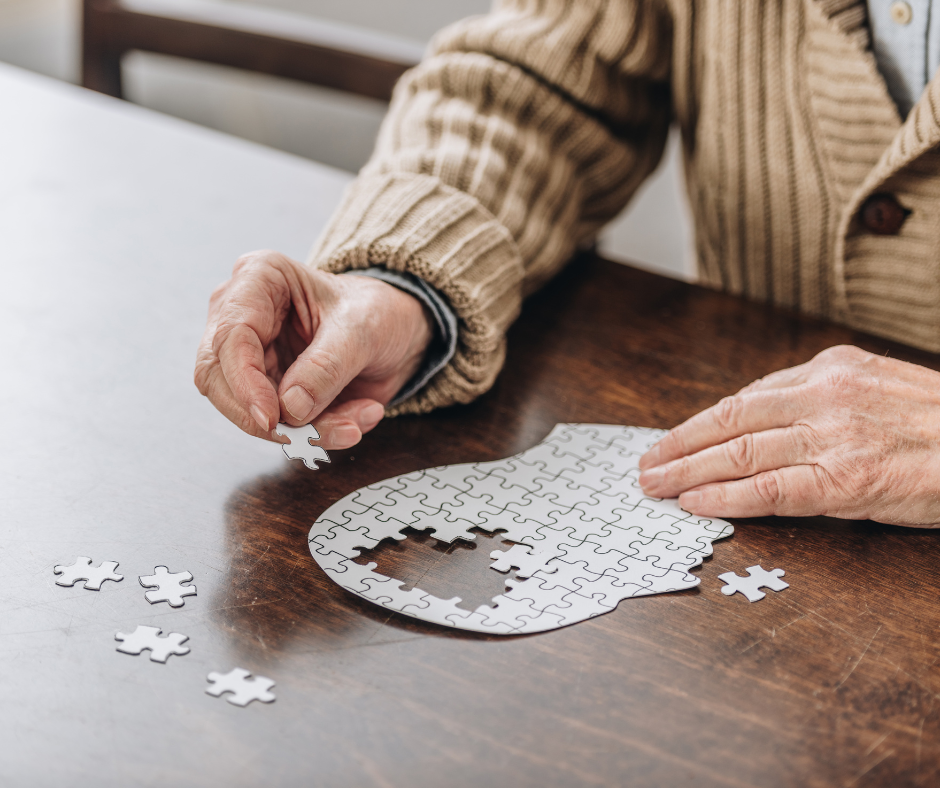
column 337, row 129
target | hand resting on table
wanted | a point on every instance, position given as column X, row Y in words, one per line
column 848, row 434
column 286, row 343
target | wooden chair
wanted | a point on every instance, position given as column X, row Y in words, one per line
column 247, row 37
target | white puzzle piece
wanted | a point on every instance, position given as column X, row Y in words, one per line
column 82, row 569
column 244, row 689
column 167, row 587
column 301, row 446
column 584, row 534
column 161, row 648
column 526, row 560
column 750, row 586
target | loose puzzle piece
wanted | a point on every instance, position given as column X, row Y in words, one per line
column 161, row 648
column 583, row 533
column 300, row 446
column 244, row 689
column 167, row 587
column 750, row 586
column 82, row 569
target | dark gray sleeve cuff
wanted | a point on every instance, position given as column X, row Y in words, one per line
column 443, row 346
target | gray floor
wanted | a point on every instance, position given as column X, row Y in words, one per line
column 333, row 128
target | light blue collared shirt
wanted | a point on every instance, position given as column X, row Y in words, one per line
column 906, row 42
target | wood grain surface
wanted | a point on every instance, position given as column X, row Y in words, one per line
column 112, row 244
column 831, row 682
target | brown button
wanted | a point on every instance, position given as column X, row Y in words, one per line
column 882, row 214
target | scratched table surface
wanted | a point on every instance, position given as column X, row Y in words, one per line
column 116, row 224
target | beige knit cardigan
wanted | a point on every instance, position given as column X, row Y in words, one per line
column 525, row 130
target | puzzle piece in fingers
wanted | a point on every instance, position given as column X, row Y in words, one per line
column 583, row 534
column 82, row 569
column 167, row 586
column 751, row 586
column 301, row 446
column 243, row 688
column 144, row 638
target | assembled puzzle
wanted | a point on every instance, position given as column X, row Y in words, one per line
column 584, row 534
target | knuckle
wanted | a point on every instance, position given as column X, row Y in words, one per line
column 201, row 379
column 846, row 385
column 851, row 478
column 332, row 367
column 769, row 488
column 226, row 333
column 833, row 487
column 728, row 412
column 808, row 441
column 840, row 354
column 206, row 364
column 243, row 262
column 837, row 383
column 741, row 452
column 325, row 366
column 754, row 385
column 258, row 258
column 674, row 444
column 670, row 444
column 847, row 370
column 680, row 471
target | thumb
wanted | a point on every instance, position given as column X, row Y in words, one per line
column 319, row 374
column 341, row 426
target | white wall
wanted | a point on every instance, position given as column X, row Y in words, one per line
column 337, row 129
column 655, row 231
column 41, row 35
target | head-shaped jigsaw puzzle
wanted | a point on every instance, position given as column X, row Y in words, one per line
column 585, row 536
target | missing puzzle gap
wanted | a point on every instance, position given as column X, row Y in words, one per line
column 445, row 570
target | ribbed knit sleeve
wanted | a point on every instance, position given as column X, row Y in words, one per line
column 520, row 134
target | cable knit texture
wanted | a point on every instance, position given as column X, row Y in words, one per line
column 525, row 130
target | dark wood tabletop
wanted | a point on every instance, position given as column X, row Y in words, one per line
column 109, row 452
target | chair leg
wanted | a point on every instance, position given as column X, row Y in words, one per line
column 101, row 65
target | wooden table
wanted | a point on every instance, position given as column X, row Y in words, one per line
column 116, row 224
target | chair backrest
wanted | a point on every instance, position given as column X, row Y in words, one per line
column 247, row 37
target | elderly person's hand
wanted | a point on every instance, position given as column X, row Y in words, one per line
column 848, row 434
column 286, row 343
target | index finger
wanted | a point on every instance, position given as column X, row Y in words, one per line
column 249, row 316
column 732, row 417
column 213, row 386
column 210, row 380
column 241, row 359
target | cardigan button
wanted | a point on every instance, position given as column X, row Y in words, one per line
column 901, row 12
column 882, row 214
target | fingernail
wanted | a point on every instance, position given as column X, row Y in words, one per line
column 652, row 478
column 651, row 458
column 298, row 402
column 691, row 500
column 346, row 435
column 371, row 415
column 260, row 417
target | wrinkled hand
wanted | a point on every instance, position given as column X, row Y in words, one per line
column 848, row 434
column 286, row 343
